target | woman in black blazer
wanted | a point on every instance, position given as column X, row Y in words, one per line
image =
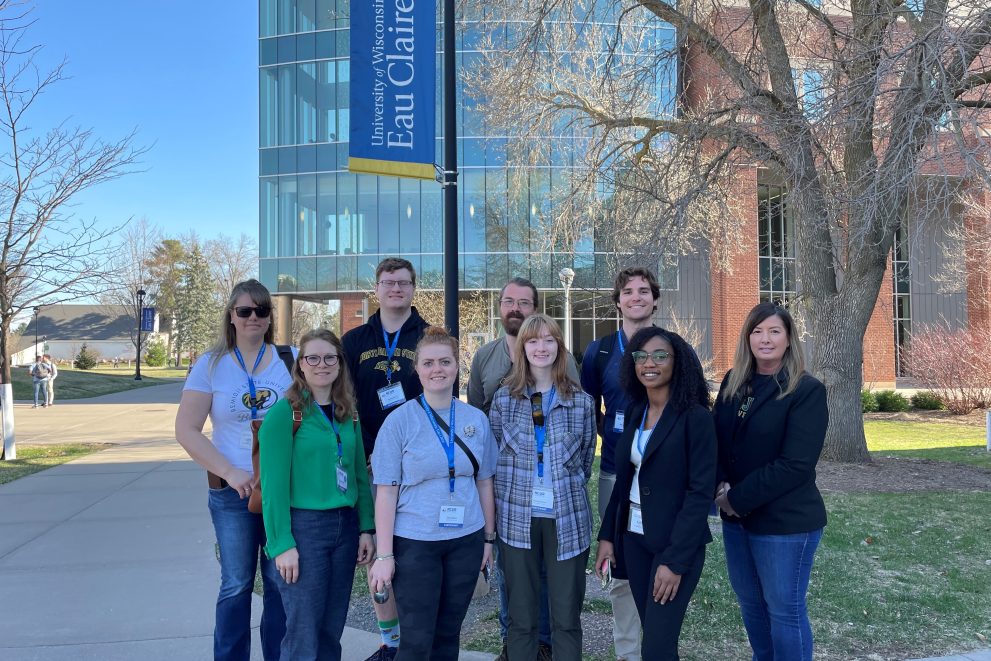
column 771, row 421
column 655, row 527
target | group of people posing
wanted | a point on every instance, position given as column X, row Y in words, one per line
column 367, row 458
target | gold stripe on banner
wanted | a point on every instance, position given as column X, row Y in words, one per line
column 391, row 168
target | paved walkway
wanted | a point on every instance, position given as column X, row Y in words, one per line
column 111, row 556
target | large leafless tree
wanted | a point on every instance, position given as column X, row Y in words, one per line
column 46, row 254
column 849, row 104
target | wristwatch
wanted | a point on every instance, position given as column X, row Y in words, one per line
column 491, row 537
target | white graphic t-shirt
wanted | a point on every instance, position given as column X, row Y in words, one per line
column 231, row 409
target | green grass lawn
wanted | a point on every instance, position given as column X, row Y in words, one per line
column 923, row 440
column 78, row 384
column 31, row 459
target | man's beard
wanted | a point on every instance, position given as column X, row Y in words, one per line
column 512, row 322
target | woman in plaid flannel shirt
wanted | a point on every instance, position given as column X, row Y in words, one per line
column 544, row 426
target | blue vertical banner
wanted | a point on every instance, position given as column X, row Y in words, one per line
column 147, row 320
column 393, row 87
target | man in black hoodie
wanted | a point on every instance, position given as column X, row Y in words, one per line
column 380, row 356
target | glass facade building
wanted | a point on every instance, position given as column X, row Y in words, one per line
column 323, row 230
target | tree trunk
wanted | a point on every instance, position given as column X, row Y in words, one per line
column 838, row 327
column 8, row 450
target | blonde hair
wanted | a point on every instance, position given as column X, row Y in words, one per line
column 227, row 336
column 744, row 363
column 520, row 377
column 436, row 335
column 341, row 391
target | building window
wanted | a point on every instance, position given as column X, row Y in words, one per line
column 776, row 245
column 902, row 294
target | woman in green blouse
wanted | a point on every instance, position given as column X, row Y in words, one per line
column 316, row 500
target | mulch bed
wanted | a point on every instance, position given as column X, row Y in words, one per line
column 900, row 475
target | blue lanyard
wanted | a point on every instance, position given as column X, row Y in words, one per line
column 540, row 431
column 640, row 439
column 337, row 432
column 447, row 444
column 251, row 381
column 390, row 351
column 622, row 342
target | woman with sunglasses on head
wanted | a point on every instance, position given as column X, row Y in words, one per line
column 545, row 429
column 771, row 420
column 235, row 382
column 655, row 527
column 433, row 463
column 316, row 498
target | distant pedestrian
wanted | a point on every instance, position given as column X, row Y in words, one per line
column 41, row 372
column 116, row 361
column 51, row 378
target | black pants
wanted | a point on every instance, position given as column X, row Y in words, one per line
column 661, row 624
column 433, row 585
column 565, row 594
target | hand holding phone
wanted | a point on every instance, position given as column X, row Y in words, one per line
column 605, row 572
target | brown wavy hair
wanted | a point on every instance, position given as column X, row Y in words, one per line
column 744, row 363
column 520, row 377
column 341, row 391
column 227, row 336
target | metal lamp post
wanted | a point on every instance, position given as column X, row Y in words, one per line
column 567, row 276
column 37, row 309
column 141, row 306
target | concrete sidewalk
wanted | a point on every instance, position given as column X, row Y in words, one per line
column 111, row 556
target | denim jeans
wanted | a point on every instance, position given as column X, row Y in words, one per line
column 433, row 585
column 241, row 535
column 770, row 575
column 41, row 388
column 317, row 603
column 544, row 618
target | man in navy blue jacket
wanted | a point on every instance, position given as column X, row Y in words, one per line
column 635, row 293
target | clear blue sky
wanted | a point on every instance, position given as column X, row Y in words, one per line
column 185, row 75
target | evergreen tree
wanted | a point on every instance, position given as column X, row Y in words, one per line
column 196, row 309
column 86, row 359
column 165, row 271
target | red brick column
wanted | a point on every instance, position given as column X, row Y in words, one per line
column 735, row 293
column 351, row 311
column 879, row 339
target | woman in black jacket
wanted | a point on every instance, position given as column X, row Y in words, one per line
column 771, row 421
column 655, row 527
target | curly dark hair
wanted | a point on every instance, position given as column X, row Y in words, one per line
column 688, row 385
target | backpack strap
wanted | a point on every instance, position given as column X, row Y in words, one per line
column 285, row 353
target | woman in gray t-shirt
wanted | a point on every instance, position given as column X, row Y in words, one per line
column 434, row 505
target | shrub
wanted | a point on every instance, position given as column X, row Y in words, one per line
column 868, row 402
column 86, row 359
column 925, row 400
column 956, row 366
column 889, row 401
column 156, row 354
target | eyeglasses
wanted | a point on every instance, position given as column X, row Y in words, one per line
column 521, row 303
column 261, row 311
column 402, row 284
column 657, row 357
column 329, row 359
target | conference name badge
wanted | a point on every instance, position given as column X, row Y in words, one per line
column 452, row 515
column 391, row 396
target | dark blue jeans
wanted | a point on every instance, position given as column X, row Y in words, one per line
column 317, row 603
column 433, row 585
column 544, row 616
column 770, row 575
column 241, row 535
